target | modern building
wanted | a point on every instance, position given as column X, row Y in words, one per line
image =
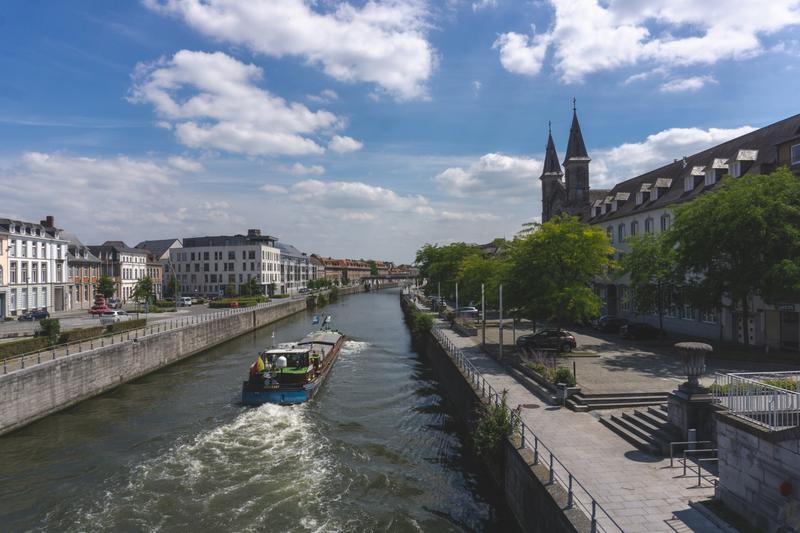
column 123, row 264
column 84, row 271
column 160, row 250
column 37, row 266
column 644, row 204
column 207, row 266
column 296, row 269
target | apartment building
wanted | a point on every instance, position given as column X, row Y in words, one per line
column 84, row 272
column 36, row 259
column 123, row 264
column 296, row 269
column 3, row 274
column 207, row 266
column 160, row 252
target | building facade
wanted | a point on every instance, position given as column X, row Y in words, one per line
column 207, row 266
column 644, row 204
column 160, row 253
column 84, row 271
column 4, row 247
column 37, row 266
column 343, row 271
column 296, row 269
column 123, row 264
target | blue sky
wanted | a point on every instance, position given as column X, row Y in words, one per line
column 362, row 129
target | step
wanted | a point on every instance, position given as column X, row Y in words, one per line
column 659, row 412
column 577, row 407
column 659, row 433
column 623, row 394
column 641, row 422
column 620, row 405
column 655, row 420
column 632, row 438
column 633, row 428
column 631, row 398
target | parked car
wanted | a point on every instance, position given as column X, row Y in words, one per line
column 185, row 301
column 469, row 312
column 639, row 330
column 554, row 339
column 609, row 323
column 114, row 316
column 114, row 303
column 36, row 314
column 302, row 290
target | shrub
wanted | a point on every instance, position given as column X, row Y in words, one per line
column 280, row 295
column 125, row 326
column 49, row 328
column 543, row 370
column 225, row 303
column 164, row 303
column 564, row 375
column 422, row 322
column 495, row 424
column 334, row 293
column 80, row 334
column 8, row 349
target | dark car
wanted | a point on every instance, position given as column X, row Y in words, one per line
column 609, row 323
column 639, row 330
column 38, row 314
column 554, row 339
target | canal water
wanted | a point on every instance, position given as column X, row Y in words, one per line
column 376, row 450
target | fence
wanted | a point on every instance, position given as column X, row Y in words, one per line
column 577, row 494
column 770, row 406
column 18, row 362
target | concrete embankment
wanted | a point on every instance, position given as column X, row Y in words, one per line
column 31, row 393
column 537, row 504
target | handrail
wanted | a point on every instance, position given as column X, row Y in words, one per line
column 766, row 405
column 51, row 352
column 582, row 497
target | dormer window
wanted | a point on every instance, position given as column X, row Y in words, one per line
column 613, row 206
column 688, row 184
column 795, row 154
column 710, row 178
column 736, row 169
column 639, row 198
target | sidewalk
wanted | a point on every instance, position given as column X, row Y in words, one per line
column 640, row 492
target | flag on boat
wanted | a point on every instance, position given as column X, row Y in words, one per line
column 316, row 319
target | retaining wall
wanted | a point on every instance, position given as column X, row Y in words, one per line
column 537, row 506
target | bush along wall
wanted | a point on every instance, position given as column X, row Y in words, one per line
column 125, row 326
column 9, row 349
column 74, row 335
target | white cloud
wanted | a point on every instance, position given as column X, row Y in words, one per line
column 521, row 54
column 214, row 102
column 299, row 169
column 185, row 164
column 463, row 216
column 493, row 174
column 681, row 85
column 353, row 195
column 476, row 85
column 274, row 189
column 380, row 42
column 589, row 36
column 359, row 216
column 323, row 97
column 483, row 4
column 619, row 163
column 343, row 144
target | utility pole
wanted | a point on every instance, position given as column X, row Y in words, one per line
column 501, row 321
column 483, row 317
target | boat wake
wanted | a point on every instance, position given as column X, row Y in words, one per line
column 240, row 475
column 351, row 347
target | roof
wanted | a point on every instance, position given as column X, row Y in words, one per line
column 158, row 247
column 576, row 149
column 119, row 246
column 551, row 165
column 759, row 144
column 77, row 251
column 289, row 250
column 228, row 240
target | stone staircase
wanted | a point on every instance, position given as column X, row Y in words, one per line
column 587, row 402
column 648, row 429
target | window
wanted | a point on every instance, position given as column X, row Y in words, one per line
column 624, row 298
column 24, row 278
column 736, row 169
column 688, row 183
column 621, row 233
column 44, row 297
column 231, row 256
column 634, row 228
column 795, row 153
column 34, row 273
column 666, row 222
column 252, row 254
column 44, row 273
column 709, row 316
column 12, row 276
column 710, row 178
column 205, row 256
column 648, row 225
column 13, row 299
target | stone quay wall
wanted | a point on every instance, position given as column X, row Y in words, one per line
column 537, row 506
column 753, row 463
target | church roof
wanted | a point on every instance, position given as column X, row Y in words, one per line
column 576, row 149
column 551, row 165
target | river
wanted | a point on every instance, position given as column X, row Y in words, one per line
column 376, row 450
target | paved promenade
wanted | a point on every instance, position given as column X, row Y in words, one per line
column 640, row 492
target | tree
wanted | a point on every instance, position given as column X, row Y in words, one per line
column 550, row 271
column 251, row 288
column 441, row 264
column 143, row 290
column 230, row 290
column 172, row 286
column 740, row 241
column 50, row 328
column 106, row 286
column 475, row 270
column 373, row 267
column 655, row 280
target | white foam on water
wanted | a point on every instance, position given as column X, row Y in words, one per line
column 352, row 347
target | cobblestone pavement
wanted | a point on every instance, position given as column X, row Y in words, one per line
column 640, row 492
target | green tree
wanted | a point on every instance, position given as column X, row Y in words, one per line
column 143, row 290
column 475, row 270
column 441, row 264
column 50, row 328
column 251, row 288
column 171, row 288
column 550, row 271
column 106, row 286
column 230, row 290
column 740, row 241
column 373, row 267
column 655, row 280
column 345, row 279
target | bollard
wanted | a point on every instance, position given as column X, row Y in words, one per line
column 569, row 492
column 23, row 361
column 101, row 342
column 594, row 516
column 54, row 352
column 535, row 450
column 80, row 346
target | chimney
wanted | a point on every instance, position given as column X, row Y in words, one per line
column 48, row 221
column 254, row 233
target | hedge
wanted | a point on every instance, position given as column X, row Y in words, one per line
column 81, row 334
column 280, row 295
column 119, row 327
column 8, row 349
column 225, row 303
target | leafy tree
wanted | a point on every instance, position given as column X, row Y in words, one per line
column 441, row 264
column 143, row 290
column 373, row 268
column 740, row 241
column 271, row 289
column 50, row 328
column 230, row 290
column 655, row 280
column 106, row 286
column 549, row 272
column 172, row 286
column 251, row 288
column 345, row 278
column 475, row 270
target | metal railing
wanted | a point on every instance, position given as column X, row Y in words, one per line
column 692, row 453
column 577, row 495
column 766, row 405
column 26, row 360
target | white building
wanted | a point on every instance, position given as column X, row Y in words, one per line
column 206, row 266
column 124, row 265
column 37, row 266
column 296, row 269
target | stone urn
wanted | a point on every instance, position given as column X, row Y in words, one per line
column 689, row 407
column 694, row 364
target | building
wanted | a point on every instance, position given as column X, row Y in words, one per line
column 206, row 266
column 4, row 247
column 160, row 251
column 123, row 264
column 84, row 271
column 296, row 269
column 344, row 271
column 644, row 204
column 37, row 266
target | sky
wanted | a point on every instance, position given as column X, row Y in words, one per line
column 363, row 128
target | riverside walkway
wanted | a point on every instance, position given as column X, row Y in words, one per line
column 641, row 493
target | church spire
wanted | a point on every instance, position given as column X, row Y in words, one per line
column 576, row 149
column 551, row 165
